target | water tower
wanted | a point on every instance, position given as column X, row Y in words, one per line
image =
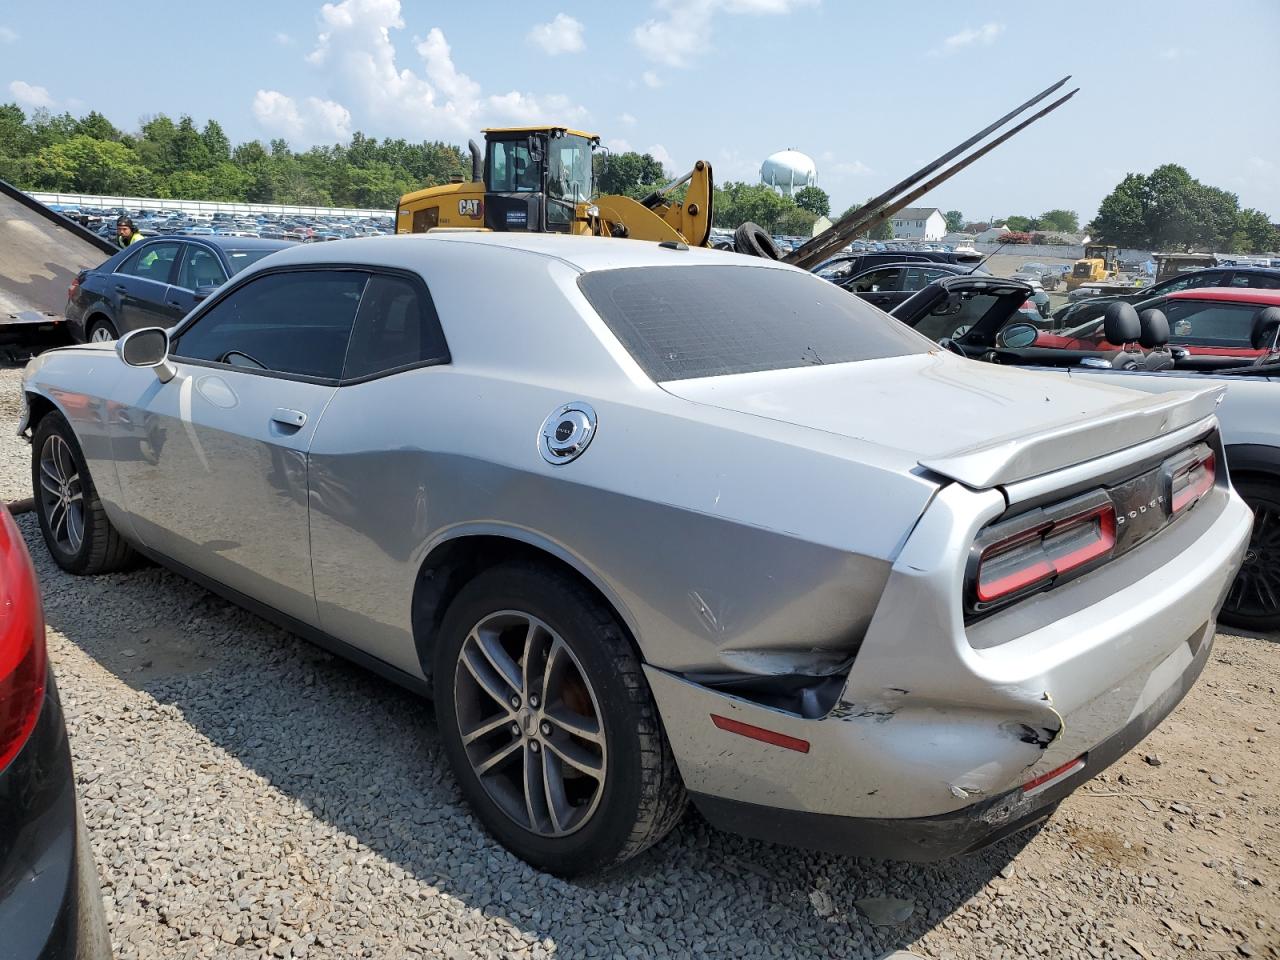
column 789, row 171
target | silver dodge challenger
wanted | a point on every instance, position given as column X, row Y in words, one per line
column 650, row 524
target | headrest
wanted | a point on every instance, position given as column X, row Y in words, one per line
column 1120, row 324
column 1266, row 324
column 1155, row 328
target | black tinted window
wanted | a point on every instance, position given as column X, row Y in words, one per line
column 707, row 321
column 395, row 327
column 296, row 323
column 200, row 268
column 153, row 262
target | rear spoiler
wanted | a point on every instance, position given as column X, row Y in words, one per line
column 1011, row 459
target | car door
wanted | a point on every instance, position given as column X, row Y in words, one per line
column 140, row 285
column 213, row 463
column 878, row 286
column 199, row 274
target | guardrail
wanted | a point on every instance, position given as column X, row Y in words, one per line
column 200, row 206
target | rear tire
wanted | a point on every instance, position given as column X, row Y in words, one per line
column 102, row 331
column 75, row 526
column 556, row 658
column 1253, row 602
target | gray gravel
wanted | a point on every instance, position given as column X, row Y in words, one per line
column 249, row 795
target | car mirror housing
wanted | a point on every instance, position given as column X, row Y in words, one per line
column 1017, row 335
column 148, row 347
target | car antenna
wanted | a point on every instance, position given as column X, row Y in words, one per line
column 987, row 257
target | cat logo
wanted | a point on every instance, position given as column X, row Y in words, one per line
column 470, row 208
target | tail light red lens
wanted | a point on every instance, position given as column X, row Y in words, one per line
column 1192, row 481
column 1034, row 556
column 73, row 289
column 22, row 649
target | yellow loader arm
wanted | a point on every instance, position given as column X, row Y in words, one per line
column 656, row 218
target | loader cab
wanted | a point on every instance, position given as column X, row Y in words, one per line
column 535, row 178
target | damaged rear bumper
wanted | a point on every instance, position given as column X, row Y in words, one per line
column 924, row 839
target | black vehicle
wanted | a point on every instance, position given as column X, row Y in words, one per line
column 50, row 902
column 1267, row 278
column 889, row 285
column 847, row 265
column 156, row 282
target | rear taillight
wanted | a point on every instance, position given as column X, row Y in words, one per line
column 1191, row 481
column 1024, row 554
column 74, row 288
column 22, row 650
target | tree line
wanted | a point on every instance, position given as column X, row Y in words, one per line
column 178, row 160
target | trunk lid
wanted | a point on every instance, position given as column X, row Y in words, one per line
column 976, row 423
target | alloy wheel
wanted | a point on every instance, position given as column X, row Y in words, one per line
column 101, row 335
column 530, row 723
column 1256, row 590
column 62, row 493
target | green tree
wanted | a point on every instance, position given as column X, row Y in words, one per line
column 95, row 125
column 796, row 221
column 955, row 221
column 1064, row 221
column 1169, row 209
column 813, row 199
column 1019, row 224
column 626, row 173
column 84, row 165
column 1254, row 233
column 216, row 143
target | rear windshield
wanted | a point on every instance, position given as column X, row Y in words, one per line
column 242, row 258
column 682, row 323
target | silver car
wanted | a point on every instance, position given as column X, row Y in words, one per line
column 650, row 523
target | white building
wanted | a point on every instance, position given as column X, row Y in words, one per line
column 919, row 223
column 789, row 171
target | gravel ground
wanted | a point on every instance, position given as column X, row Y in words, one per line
column 248, row 795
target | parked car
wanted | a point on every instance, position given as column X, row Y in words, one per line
column 539, row 476
column 1091, row 306
column 844, row 266
column 982, row 320
column 1209, row 321
column 888, row 285
column 155, row 282
column 50, row 904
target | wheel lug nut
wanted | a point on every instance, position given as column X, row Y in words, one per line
column 533, row 701
column 546, row 729
column 533, row 745
column 515, row 703
column 515, row 729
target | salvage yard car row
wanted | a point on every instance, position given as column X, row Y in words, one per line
column 631, row 519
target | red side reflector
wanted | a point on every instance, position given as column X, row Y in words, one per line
column 1044, row 781
column 760, row 733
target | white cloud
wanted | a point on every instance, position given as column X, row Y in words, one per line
column 313, row 121
column 619, row 145
column 30, row 96
column 982, row 36
column 8, row 34
column 659, row 153
column 1171, row 53
column 355, row 52
column 561, row 35
column 849, row 168
column 627, row 120
column 651, row 80
column 684, row 29
column 1261, row 163
column 284, row 40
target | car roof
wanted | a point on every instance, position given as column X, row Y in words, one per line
column 585, row 254
column 922, row 265
column 1230, row 294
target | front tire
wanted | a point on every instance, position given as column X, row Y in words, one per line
column 549, row 724
column 1253, row 602
column 75, row 526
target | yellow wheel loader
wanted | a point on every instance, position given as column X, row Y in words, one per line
column 540, row 180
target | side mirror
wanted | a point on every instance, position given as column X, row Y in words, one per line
column 1017, row 335
column 148, row 347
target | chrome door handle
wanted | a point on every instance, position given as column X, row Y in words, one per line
column 289, row 418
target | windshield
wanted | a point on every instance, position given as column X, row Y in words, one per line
column 511, row 168
column 707, row 321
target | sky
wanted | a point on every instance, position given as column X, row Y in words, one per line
column 870, row 91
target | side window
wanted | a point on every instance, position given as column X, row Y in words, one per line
column 200, row 268
column 1259, row 281
column 917, row 278
column 1206, row 323
column 295, row 323
column 396, row 326
column 425, row 219
column 877, row 281
column 153, row 262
